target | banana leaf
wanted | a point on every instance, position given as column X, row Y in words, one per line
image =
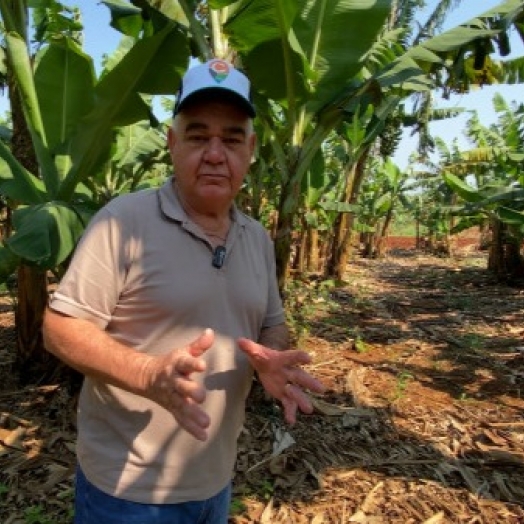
column 464, row 190
column 45, row 234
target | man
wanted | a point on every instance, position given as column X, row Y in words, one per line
column 168, row 306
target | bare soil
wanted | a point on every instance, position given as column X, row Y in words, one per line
column 422, row 422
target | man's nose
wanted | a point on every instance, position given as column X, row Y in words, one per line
column 214, row 152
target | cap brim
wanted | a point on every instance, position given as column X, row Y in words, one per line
column 216, row 93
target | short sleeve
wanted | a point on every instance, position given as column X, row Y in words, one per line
column 96, row 275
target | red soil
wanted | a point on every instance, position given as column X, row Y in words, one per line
column 403, row 242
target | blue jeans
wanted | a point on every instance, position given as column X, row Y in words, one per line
column 93, row 506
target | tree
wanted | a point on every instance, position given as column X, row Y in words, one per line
column 71, row 117
column 496, row 187
column 314, row 65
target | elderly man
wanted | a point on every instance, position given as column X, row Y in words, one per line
column 168, row 307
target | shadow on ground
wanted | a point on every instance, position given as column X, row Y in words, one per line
column 423, row 418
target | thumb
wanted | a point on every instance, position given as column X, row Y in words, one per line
column 257, row 353
column 249, row 347
column 201, row 344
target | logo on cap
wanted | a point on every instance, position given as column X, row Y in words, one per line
column 219, row 70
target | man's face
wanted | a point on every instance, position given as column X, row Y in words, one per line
column 211, row 145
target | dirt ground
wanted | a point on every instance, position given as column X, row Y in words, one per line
column 422, row 421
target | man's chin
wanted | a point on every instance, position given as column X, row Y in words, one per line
column 212, row 192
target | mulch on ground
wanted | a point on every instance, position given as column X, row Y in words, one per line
column 422, row 421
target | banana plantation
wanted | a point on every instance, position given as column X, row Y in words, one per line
column 331, row 83
column 336, row 84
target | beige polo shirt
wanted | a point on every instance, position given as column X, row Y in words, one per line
column 143, row 272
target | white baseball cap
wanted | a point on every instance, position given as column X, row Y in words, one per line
column 215, row 76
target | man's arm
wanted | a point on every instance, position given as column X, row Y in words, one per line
column 165, row 379
column 90, row 350
column 275, row 337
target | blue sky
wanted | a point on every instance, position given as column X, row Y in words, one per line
column 100, row 38
column 479, row 100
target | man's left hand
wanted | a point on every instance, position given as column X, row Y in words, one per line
column 282, row 377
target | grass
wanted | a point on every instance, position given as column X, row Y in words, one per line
column 36, row 515
column 403, row 380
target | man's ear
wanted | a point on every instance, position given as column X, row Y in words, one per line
column 170, row 137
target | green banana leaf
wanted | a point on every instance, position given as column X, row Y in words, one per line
column 154, row 65
column 448, row 48
column 8, row 263
column 511, row 216
column 45, row 234
column 16, row 182
column 136, row 142
column 125, row 17
column 21, row 64
column 72, row 120
column 335, row 35
column 64, row 81
column 305, row 51
column 464, row 190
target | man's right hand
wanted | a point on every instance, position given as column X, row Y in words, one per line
column 165, row 379
column 169, row 382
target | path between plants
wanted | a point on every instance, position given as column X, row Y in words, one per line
column 422, row 422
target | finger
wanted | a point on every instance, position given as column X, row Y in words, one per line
column 252, row 349
column 303, row 379
column 284, row 358
column 300, row 398
column 295, row 357
column 187, row 364
column 194, row 420
column 199, row 346
column 186, row 388
column 290, row 409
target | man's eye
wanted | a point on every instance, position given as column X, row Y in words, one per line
column 196, row 138
column 232, row 140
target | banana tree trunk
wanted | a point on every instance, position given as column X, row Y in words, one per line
column 338, row 256
column 380, row 245
column 336, row 262
column 288, row 203
column 368, row 241
column 496, row 248
column 313, row 259
column 32, row 360
column 504, row 259
column 484, row 236
column 283, row 249
column 302, row 249
column 343, row 227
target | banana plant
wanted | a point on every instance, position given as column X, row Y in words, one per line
column 139, row 159
column 494, row 164
column 318, row 187
column 72, row 117
column 303, row 62
column 489, row 182
column 382, row 192
column 311, row 60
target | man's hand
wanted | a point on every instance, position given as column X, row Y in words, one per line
column 281, row 376
column 169, row 383
column 165, row 379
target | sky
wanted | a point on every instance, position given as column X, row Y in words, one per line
column 100, row 38
column 479, row 100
